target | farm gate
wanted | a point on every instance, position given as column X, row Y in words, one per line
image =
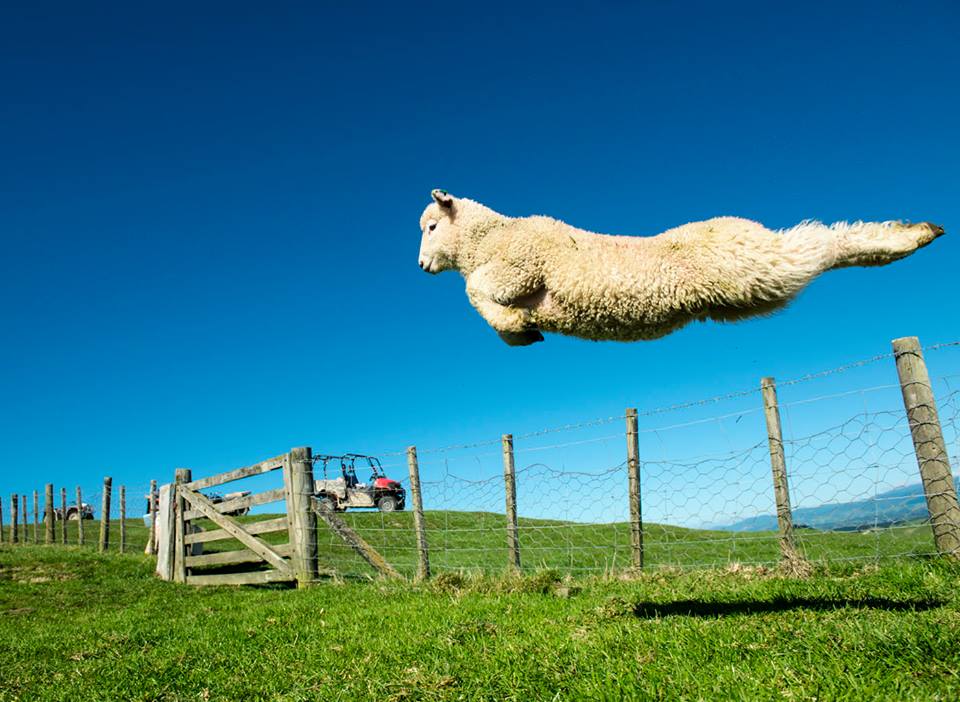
column 181, row 540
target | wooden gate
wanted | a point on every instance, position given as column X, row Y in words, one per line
column 292, row 561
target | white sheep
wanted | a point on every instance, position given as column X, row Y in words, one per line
column 526, row 275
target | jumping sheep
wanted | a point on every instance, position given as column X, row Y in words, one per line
column 527, row 275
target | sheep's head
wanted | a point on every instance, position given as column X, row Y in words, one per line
column 441, row 235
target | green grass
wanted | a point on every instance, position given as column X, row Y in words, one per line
column 76, row 625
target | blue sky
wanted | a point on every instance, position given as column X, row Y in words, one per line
column 209, row 212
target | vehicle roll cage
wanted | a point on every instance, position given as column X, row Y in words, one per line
column 348, row 463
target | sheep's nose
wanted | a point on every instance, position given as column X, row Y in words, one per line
column 421, row 263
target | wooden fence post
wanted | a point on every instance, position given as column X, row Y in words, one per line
column 123, row 518
column 633, row 484
column 1, row 520
column 36, row 517
column 105, row 515
column 423, row 556
column 510, row 489
column 14, row 520
column 181, row 475
column 49, row 535
column 23, row 518
column 932, row 457
column 299, row 486
column 80, row 519
column 63, row 515
column 152, row 511
column 166, row 524
column 778, row 467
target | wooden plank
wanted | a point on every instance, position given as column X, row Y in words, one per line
column 353, row 540
column 261, row 498
column 257, row 577
column 166, row 528
column 231, row 475
column 208, row 510
column 266, row 526
column 232, row 557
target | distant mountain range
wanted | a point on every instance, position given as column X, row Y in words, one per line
column 902, row 504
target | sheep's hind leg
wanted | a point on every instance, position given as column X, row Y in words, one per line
column 876, row 244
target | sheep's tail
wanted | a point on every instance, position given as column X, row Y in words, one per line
column 844, row 244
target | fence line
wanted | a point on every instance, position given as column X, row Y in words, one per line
column 846, row 476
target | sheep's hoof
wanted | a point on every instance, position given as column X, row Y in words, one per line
column 524, row 338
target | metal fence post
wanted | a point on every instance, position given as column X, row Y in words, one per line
column 633, row 484
column 423, row 556
column 510, row 490
column 928, row 444
column 778, row 467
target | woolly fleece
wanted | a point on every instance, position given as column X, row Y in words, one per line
column 527, row 275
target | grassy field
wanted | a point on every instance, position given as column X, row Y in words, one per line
column 78, row 625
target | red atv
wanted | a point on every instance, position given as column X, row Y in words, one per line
column 337, row 485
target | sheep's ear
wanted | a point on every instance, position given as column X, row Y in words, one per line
column 442, row 197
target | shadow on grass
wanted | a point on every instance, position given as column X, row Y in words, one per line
column 693, row 608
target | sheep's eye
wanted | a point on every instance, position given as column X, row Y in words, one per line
column 433, row 225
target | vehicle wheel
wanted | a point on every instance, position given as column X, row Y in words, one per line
column 73, row 515
column 387, row 503
column 329, row 504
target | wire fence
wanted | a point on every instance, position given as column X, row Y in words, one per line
column 706, row 492
column 707, row 496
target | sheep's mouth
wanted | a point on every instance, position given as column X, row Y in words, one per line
column 429, row 265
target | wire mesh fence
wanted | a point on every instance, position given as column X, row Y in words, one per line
column 706, row 494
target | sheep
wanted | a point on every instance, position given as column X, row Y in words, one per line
column 528, row 275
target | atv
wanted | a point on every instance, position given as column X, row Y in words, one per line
column 340, row 489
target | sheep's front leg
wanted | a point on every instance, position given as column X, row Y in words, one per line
column 486, row 288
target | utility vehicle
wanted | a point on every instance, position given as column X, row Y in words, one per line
column 338, row 487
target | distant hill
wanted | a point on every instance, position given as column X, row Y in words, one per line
column 902, row 504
